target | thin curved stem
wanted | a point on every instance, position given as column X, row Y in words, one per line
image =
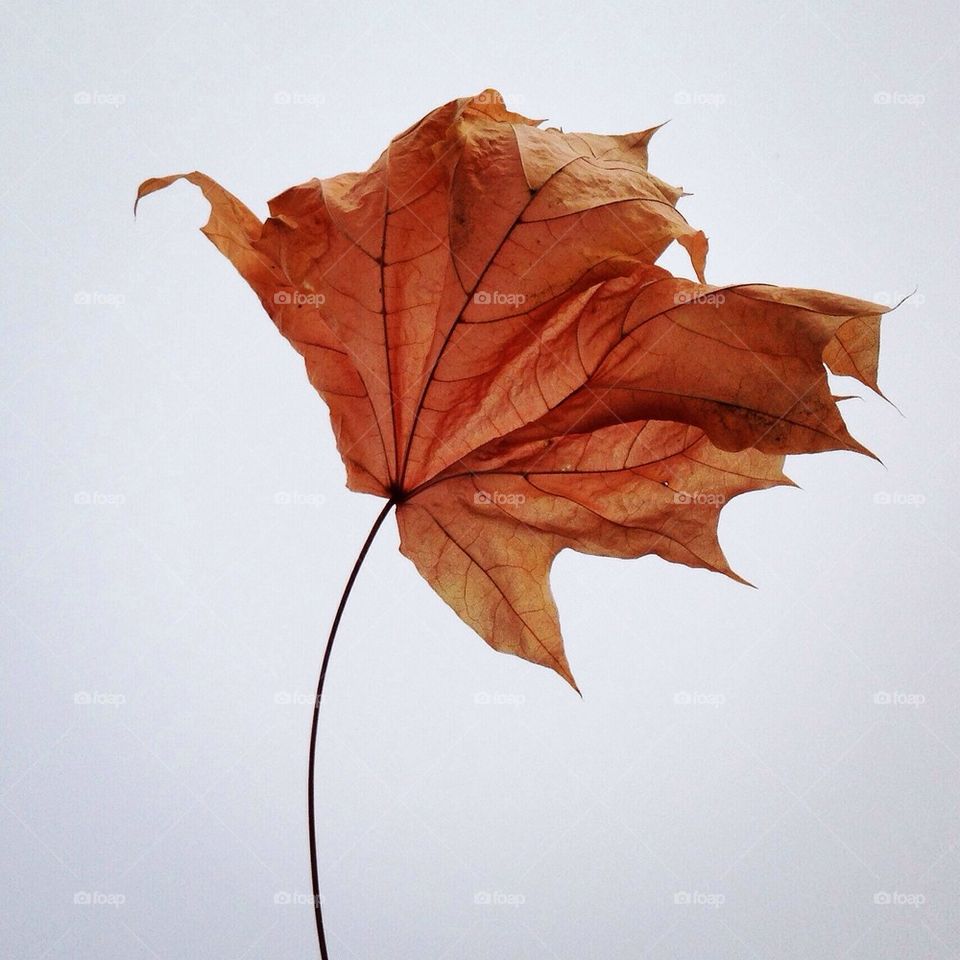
column 311, row 765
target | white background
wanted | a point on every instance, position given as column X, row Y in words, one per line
column 188, row 605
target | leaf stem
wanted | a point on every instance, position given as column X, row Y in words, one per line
column 311, row 765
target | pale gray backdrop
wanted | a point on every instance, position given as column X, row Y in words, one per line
column 770, row 773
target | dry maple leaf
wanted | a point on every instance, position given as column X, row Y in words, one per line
column 502, row 359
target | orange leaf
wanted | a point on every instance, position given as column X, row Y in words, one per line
column 501, row 357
